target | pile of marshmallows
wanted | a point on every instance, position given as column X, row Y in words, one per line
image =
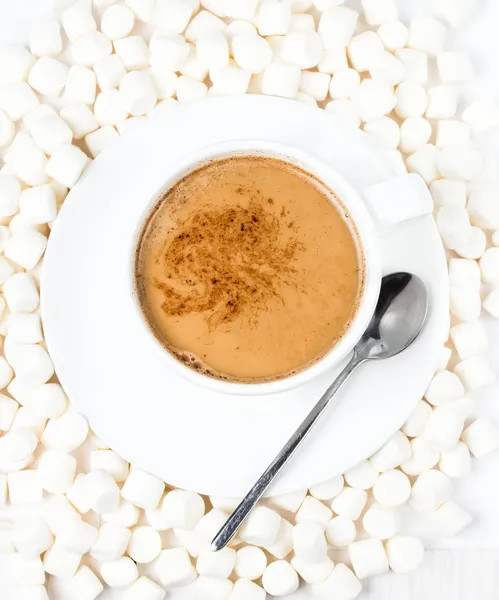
column 72, row 94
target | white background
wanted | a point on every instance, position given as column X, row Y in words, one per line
column 465, row 568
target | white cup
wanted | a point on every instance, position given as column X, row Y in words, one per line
column 368, row 245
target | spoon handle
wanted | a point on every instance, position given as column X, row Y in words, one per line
column 233, row 523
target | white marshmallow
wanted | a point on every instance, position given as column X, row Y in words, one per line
column 109, row 71
column 250, row 563
column 81, row 85
column 442, row 102
column 273, row 17
column 33, row 365
column 26, row 571
column 450, row 519
column 47, row 400
column 284, row 542
column 142, row 9
column 184, row 509
column 31, row 536
column 405, row 553
column 127, row 514
column 386, row 67
column 444, row 386
column 394, row 35
column 290, row 502
column 10, row 193
column 84, row 585
column 6, row 271
column 302, row 48
column 373, row 99
column 280, row 579
column 415, row 63
column 377, row 12
column 7, row 130
column 27, row 160
column 15, row 63
column 490, row 172
column 349, row 503
column 172, row 16
column 474, row 372
column 117, row 21
column 341, row 583
column 66, row 164
column 144, row 545
column 17, row 446
column 35, row 592
column 170, row 53
column 164, row 83
column 209, row 525
column 188, row 89
column 448, row 192
column 45, row 38
column 456, row 462
column 337, row 25
column 454, row 12
column 229, row 80
column 107, row 460
column 363, row 476
column 119, row 573
column 25, row 487
column 202, row 23
column 315, row 572
column 460, row 162
column 77, row 494
column 346, row 110
column 314, row 85
column 469, row 339
column 138, row 93
column 211, row 588
column 302, row 22
column 412, row 100
column 111, row 542
column 77, row 536
column 80, row 119
column 48, row 76
column 368, row 558
column 38, row 205
column 427, row 34
column 481, row 437
column 212, row 50
column 190, row 540
column 363, row 49
column 452, row 133
column 8, row 410
column 453, row 224
column 6, row 372
column 393, row 488
column 281, row 80
column 482, row 115
column 192, row 66
column 144, row 589
column 396, row 450
column 133, row 52
column 341, row 531
column 91, row 48
column 261, row 527
column 251, row 52
column 216, row 564
column 309, row 542
column 60, row 562
column 77, row 20
column 491, row 303
column 65, row 433
column 156, row 517
column 58, row 513
column 328, row 490
column 99, row 140
column 246, row 590
column 483, row 209
column 465, row 303
column 380, row 522
column 415, row 424
column 464, row 406
column 143, row 489
column 3, row 502
column 173, row 568
column 57, row 471
column 430, row 490
column 27, row 418
column 236, row 28
column 343, row 83
column 313, row 510
column 414, row 134
column 424, row 162
column 333, row 59
column 110, row 108
column 455, row 67
column 423, row 458
column 103, row 495
column 26, row 248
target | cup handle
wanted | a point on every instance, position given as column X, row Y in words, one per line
column 397, row 200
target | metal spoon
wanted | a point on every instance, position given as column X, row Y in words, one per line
column 396, row 323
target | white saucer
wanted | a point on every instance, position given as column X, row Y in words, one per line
column 194, row 438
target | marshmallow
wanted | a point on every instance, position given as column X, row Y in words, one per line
column 117, row 21
column 170, row 16
column 396, row 450
column 315, row 572
column 448, row 192
column 27, row 418
column 164, row 83
column 192, row 66
column 309, row 542
column 328, row 490
column 45, row 38
column 343, row 83
column 107, row 460
column 143, row 489
column 444, row 386
column 280, row 579
column 377, row 12
column 184, row 509
column 6, row 372
column 302, row 48
column 144, row 589
column 8, row 410
column 110, row 108
column 340, row 532
column 209, row 525
column 465, row 303
column 363, row 476
column 7, row 130
column 77, row 536
column 17, row 447
column 450, row 519
column 346, row 110
column 33, row 365
column 341, row 583
column 60, row 562
column 188, row 89
column 236, row 28
column 190, row 540
column 415, row 63
column 481, row 437
column 415, row 424
column 127, row 514
column 133, row 52
column 47, row 400
column 412, row 100
column 3, row 502
column 173, row 568
column 424, row 162
column 77, row 494
column 394, row 35
column 211, row 589
column 27, row 160
column 428, row 35
column 443, row 429
column 48, row 76
column 15, row 64
column 464, row 406
column 273, row 18
column 387, row 67
column 431, row 489
column 368, row 558
column 31, row 537
column 313, row 510
column 261, row 527
column 77, row 20
column 142, row 9
column 405, row 553
column 460, row 162
column 291, row 502
column 144, row 545
column 246, row 590
column 250, row 563
column 66, row 164
column 373, row 99
column 363, row 49
column 489, row 171
column 251, row 52
column 333, row 59
column 84, row 585
column 56, row 470
column 25, row 487
column 454, row 12
column 474, row 372
column 80, row 85
column 349, row 503
column 119, row 573
column 212, row 50
column 469, row 339
column 80, row 119
column 111, row 542
column 453, row 224
column 59, row 513
column 483, row 209
column 202, row 23
column 337, row 25
column 456, row 462
column 452, row 133
column 442, row 102
column 284, row 542
column 491, row 303
column 35, row 592
column 99, row 140
column 455, row 67
column 216, row 564
column 229, row 80
column 227, row 504
column 26, row 248
column 138, row 93
column 170, row 53
column 380, row 522
column 482, row 116
column 38, row 205
column 414, row 134
column 423, row 458
column 10, row 193
column 315, row 85
column 103, row 495
column 393, row 488
column 109, row 71
column 65, row 433
column 26, row 571
column 302, row 22
column 281, row 80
